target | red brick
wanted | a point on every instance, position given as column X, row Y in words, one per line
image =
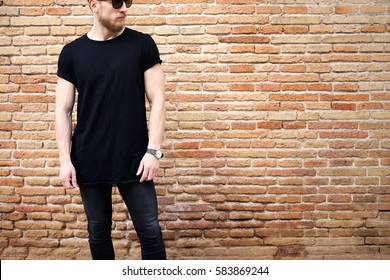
column 244, row 39
column 344, row 97
column 346, row 87
column 270, row 29
column 240, row 215
column 344, row 135
column 344, row 106
column 241, row 87
column 193, row 154
column 33, row 88
column 320, row 87
column 33, row 243
column 244, row 30
column 373, row 29
column 244, row 125
column 190, row 225
column 295, row 29
column 190, row 216
column 268, row 87
column 190, row 208
column 295, row 9
column 242, row 68
column 38, row 208
column 345, row 9
column 32, row 11
column 290, row 224
column 187, row 145
column 15, row 182
column 58, row 11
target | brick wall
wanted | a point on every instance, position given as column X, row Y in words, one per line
column 277, row 139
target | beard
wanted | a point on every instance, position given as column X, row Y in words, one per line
column 113, row 27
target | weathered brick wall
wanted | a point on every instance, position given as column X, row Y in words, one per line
column 277, row 129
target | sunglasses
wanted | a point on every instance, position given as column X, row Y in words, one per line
column 117, row 4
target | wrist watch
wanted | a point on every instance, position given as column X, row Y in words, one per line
column 157, row 153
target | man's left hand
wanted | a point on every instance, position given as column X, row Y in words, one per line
column 148, row 167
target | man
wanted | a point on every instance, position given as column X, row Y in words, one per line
column 112, row 67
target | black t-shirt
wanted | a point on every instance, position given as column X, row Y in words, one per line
column 111, row 134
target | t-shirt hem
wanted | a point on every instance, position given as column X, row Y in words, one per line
column 65, row 76
column 111, row 182
column 152, row 64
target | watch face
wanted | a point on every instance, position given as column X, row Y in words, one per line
column 158, row 154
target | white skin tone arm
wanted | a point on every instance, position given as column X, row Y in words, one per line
column 155, row 92
column 65, row 98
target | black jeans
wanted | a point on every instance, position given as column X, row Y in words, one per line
column 141, row 202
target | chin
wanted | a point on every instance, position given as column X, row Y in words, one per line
column 113, row 26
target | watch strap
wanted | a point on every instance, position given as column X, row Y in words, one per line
column 155, row 152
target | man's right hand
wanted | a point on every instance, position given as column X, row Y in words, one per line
column 68, row 175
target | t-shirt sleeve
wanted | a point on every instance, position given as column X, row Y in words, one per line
column 151, row 55
column 65, row 66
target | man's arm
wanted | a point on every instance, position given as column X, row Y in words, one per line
column 65, row 98
column 155, row 92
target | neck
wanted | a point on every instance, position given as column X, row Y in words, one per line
column 100, row 33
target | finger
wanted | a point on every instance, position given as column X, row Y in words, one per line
column 145, row 175
column 150, row 177
column 73, row 184
column 152, row 174
column 140, row 168
column 63, row 180
column 67, row 184
column 74, row 179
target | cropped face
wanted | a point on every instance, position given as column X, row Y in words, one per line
column 111, row 13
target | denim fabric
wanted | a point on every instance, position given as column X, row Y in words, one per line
column 141, row 202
